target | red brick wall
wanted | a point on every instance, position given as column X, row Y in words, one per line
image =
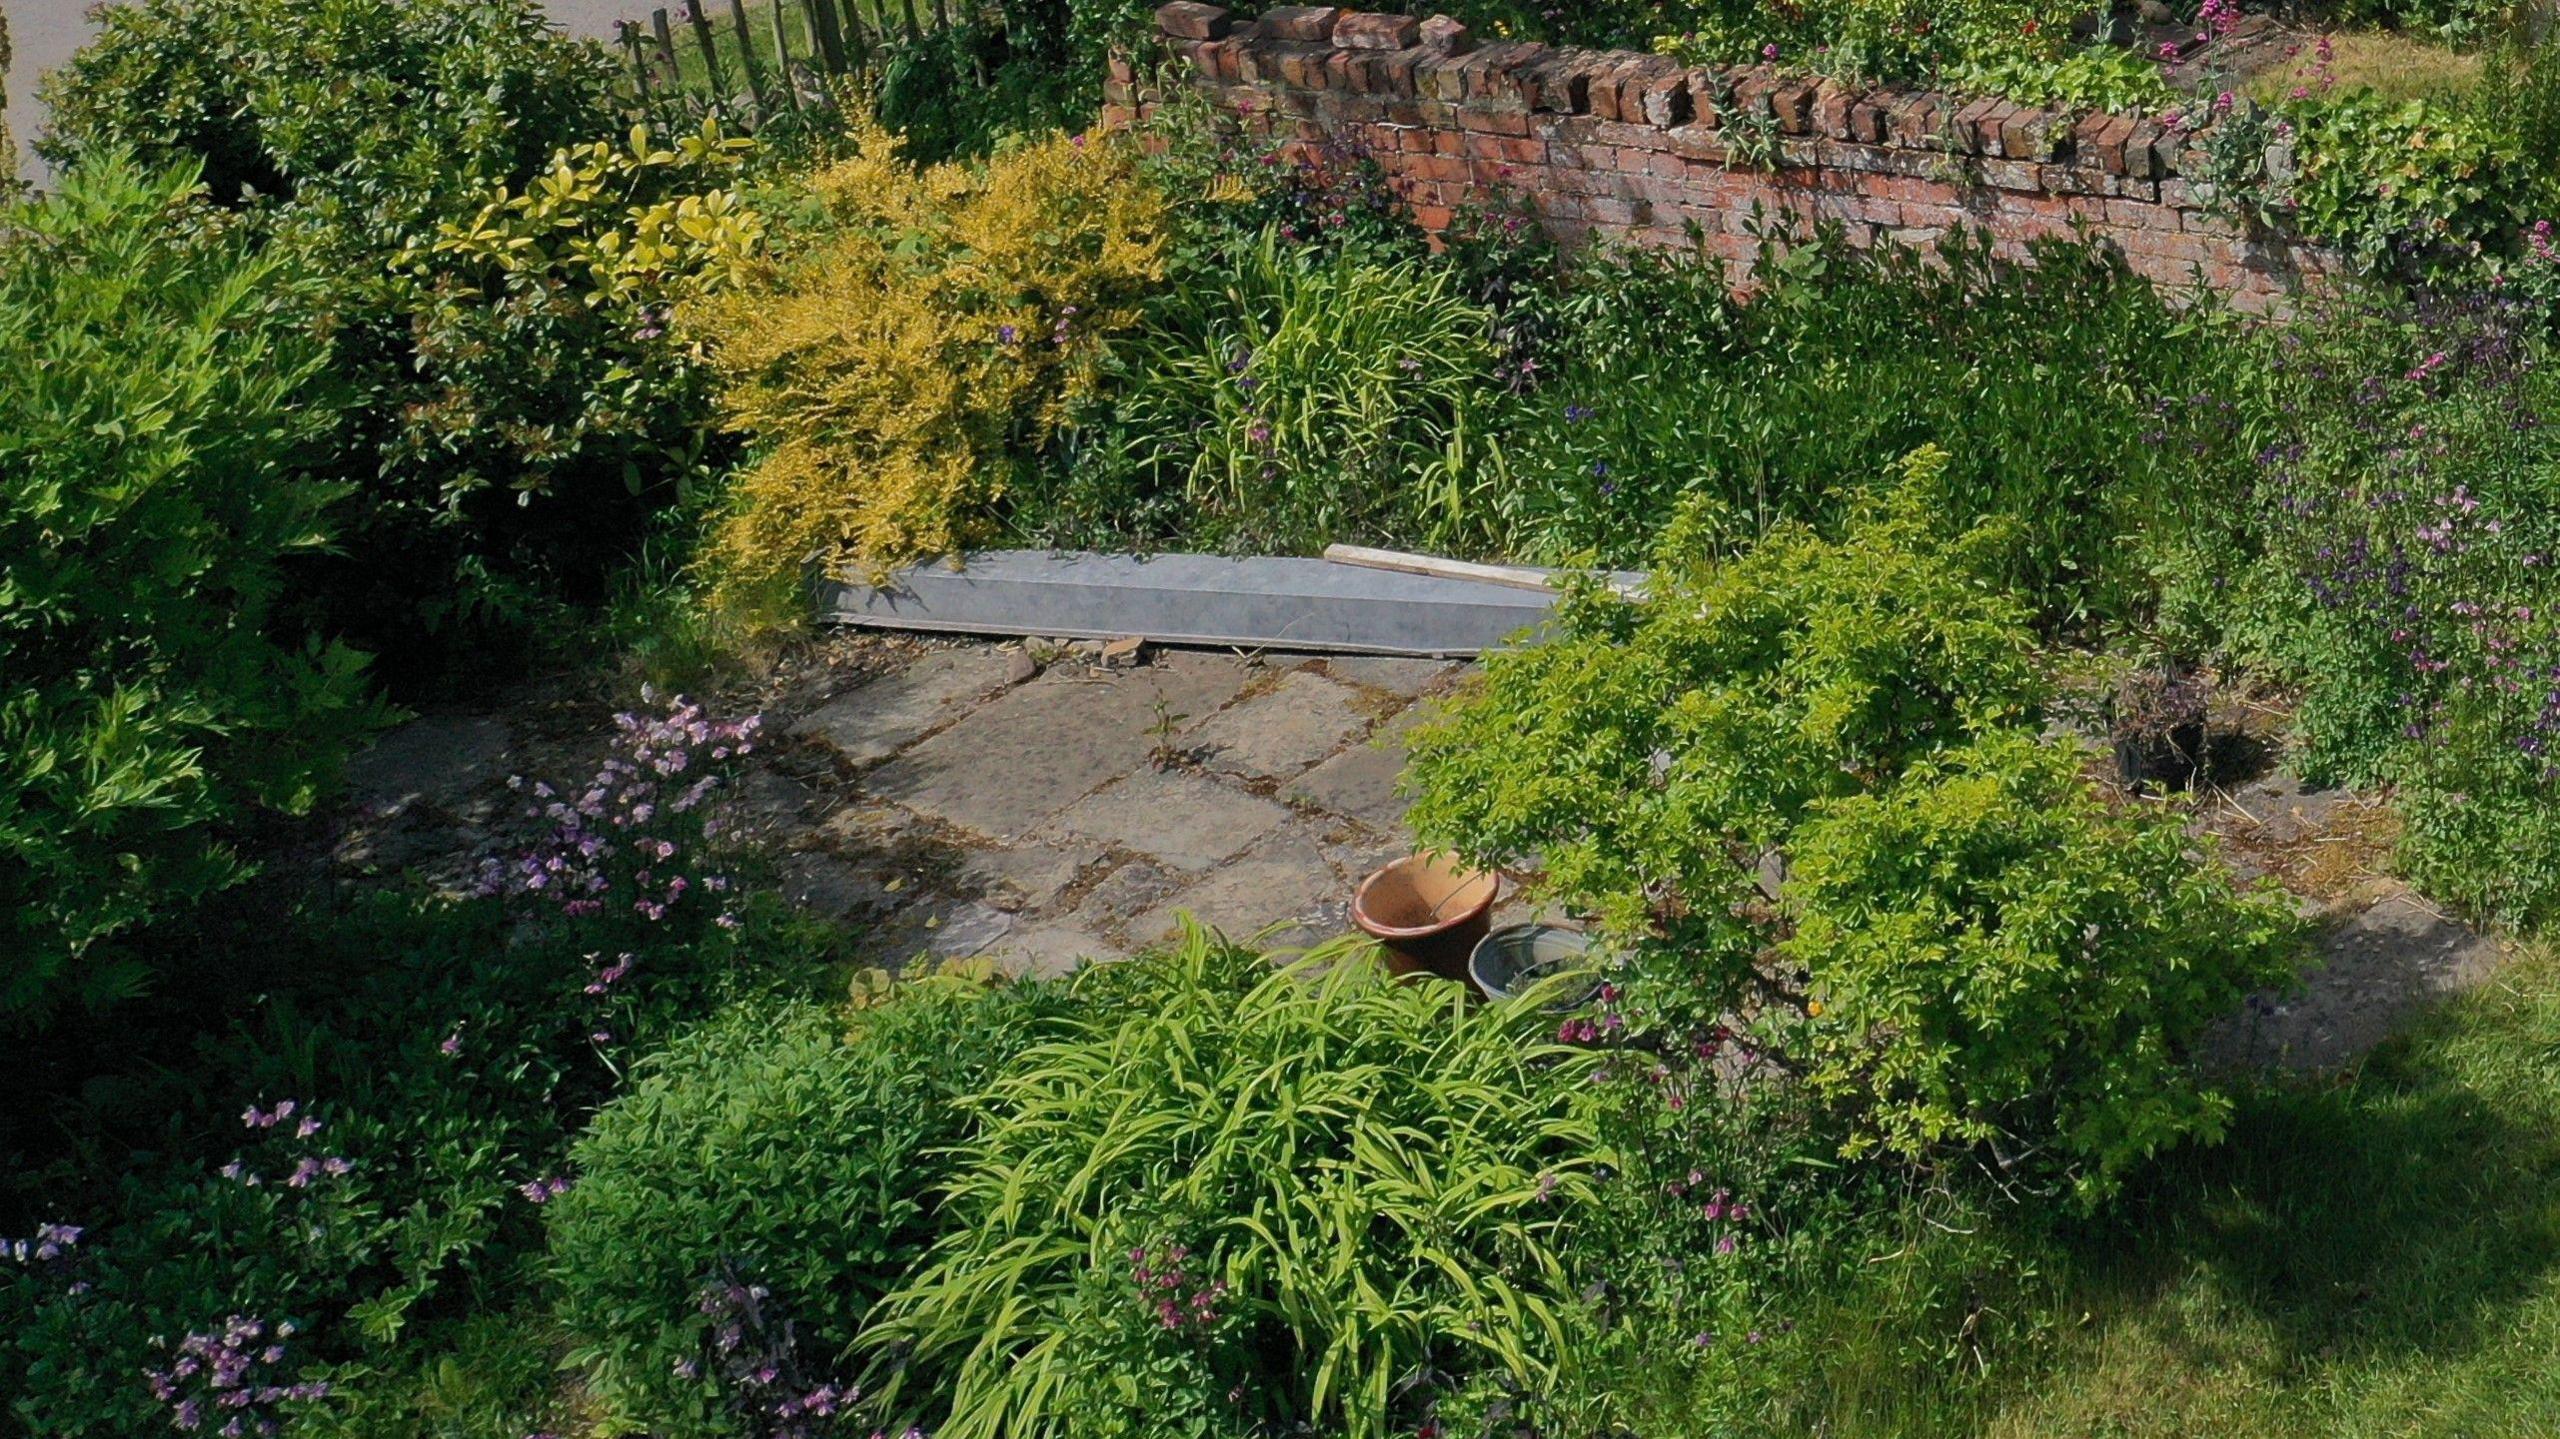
column 1636, row 147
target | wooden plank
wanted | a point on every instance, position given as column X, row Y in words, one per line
column 1520, row 576
column 1402, row 563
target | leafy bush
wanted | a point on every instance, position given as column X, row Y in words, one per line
column 1651, row 752
column 924, row 336
column 1995, row 957
column 1790, row 783
column 446, row 1055
column 161, row 403
column 554, row 409
column 1316, row 1182
column 516, row 414
column 794, row 1150
column 2382, row 181
column 375, row 115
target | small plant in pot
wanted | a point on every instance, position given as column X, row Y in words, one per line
column 2157, row 719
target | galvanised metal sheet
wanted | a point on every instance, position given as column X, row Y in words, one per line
column 1248, row 602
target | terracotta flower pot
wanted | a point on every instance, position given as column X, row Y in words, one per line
column 1428, row 911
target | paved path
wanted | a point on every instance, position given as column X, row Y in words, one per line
column 975, row 803
column 1038, row 807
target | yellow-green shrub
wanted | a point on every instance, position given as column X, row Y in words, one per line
column 933, row 324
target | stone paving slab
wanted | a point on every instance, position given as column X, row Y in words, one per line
column 1017, row 761
column 1395, row 674
column 1277, row 733
column 876, row 720
column 1184, row 821
column 1282, row 880
column 1032, row 876
column 1360, row 782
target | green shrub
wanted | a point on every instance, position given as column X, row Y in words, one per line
column 796, row 1149
column 510, row 429
column 1652, row 752
column 1994, row 957
column 447, row 1054
column 1316, row 1181
column 161, row 401
column 1813, row 768
column 375, row 115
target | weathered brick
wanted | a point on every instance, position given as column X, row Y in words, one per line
column 1913, row 120
column 2142, row 151
column 1867, row 115
column 1439, row 77
column 1792, row 103
column 1663, row 96
column 1301, row 22
column 1831, row 102
column 1555, row 82
column 1495, row 122
column 1190, row 20
column 1372, row 30
column 1493, row 72
column 1446, row 36
column 1968, row 123
column 2027, row 135
column 1751, row 89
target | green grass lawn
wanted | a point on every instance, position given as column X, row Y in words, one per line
column 2375, row 1253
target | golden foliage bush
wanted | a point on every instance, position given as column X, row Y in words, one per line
column 926, row 333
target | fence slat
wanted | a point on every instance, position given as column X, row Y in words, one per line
column 747, row 57
column 782, row 56
column 666, row 50
column 830, row 34
column 639, row 62
column 713, row 71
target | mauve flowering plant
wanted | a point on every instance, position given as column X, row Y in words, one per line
column 227, row 1381
column 2421, row 524
column 635, row 844
column 754, row 1349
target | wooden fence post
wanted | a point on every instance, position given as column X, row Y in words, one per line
column 713, row 72
column 830, row 34
column 666, row 50
column 639, row 63
column 782, row 56
column 747, row 56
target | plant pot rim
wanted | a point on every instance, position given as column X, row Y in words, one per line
column 1449, row 919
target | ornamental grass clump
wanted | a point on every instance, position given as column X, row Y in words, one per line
column 921, row 338
column 1278, row 1195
